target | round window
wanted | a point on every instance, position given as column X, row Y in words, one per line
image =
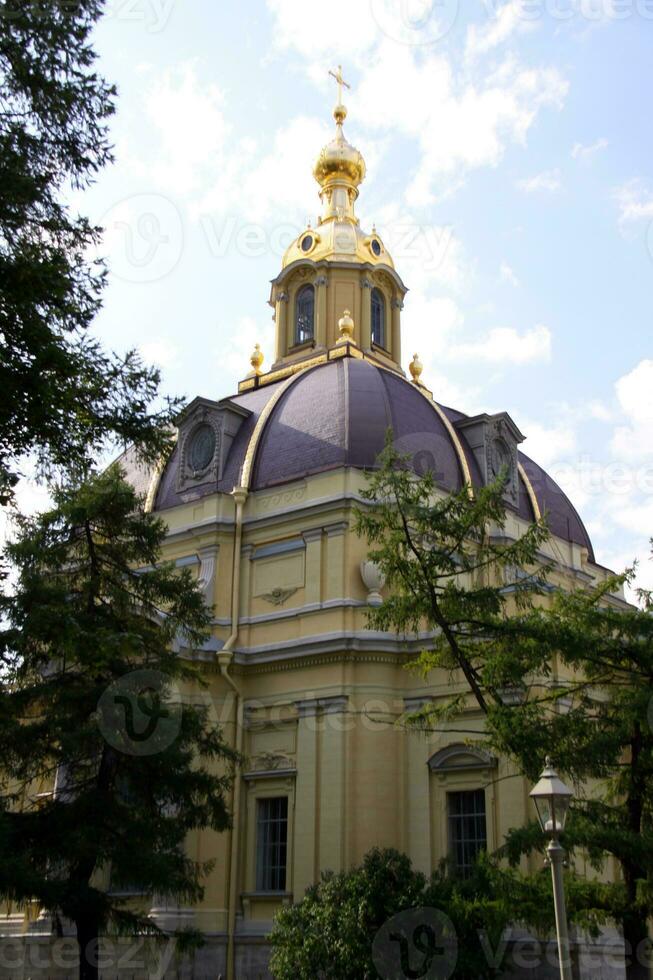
column 376, row 246
column 202, row 448
column 307, row 243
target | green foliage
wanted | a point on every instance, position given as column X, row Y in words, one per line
column 551, row 670
column 331, row 931
column 63, row 396
column 92, row 607
column 450, row 568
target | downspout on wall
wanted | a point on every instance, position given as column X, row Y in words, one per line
column 225, row 658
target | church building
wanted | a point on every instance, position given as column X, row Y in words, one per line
column 259, row 497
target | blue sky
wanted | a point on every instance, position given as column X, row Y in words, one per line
column 509, row 152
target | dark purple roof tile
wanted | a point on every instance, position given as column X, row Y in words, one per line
column 337, row 414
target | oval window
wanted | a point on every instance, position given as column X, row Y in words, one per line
column 307, row 243
column 376, row 247
column 202, row 448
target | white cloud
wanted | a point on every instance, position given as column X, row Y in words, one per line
column 505, row 345
column 321, row 37
column 507, row 274
column 597, row 410
column 548, row 444
column 635, row 202
column 428, row 325
column 634, row 440
column 187, row 115
column 584, row 153
column 425, row 254
column 281, row 184
column 233, row 355
column 502, row 24
column 463, row 124
column 548, row 180
column 460, row 125
column 159, row 351
column 635, row 392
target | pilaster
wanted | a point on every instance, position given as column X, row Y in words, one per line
column 366, row 314
column 320, row 284
column 306, row 799
column 335, row 563
column 313, row 565
column 397, row 307
column 281, row 319
column 246, row 553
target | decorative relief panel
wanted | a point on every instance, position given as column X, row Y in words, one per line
column 279, row 572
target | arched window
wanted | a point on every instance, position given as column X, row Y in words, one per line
column 378, row 318
column 304, row 315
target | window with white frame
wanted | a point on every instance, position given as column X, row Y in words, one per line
column 467, row 828
column 271, row 843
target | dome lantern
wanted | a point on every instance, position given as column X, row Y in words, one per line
column 334, row 266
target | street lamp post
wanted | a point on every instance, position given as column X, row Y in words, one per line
column 552, row 799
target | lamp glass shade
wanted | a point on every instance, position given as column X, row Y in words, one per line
column 552, row 800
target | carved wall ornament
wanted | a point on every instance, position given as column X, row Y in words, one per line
column 278, row 596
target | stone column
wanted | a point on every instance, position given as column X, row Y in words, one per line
column 321, row 310
column 366, row 314
column 313, row 570
column 397, row 307
column 281, row 318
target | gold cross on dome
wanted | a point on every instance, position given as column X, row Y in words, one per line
column 340, row 80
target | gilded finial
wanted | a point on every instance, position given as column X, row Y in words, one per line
column 346, row 327
column 256, row 360
column 416, row 367
column 340, row 111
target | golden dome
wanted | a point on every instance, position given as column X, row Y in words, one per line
column 339, row 160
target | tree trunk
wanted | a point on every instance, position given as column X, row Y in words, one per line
column 637, row 953
column 87, row 939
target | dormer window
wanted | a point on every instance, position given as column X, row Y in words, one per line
column 378, row 318
column 305, row 315
column 207, row 430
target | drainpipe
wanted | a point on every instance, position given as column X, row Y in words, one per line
column 225, row 658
